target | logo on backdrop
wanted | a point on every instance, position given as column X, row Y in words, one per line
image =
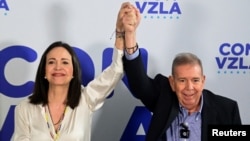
column 159, row 9
column 233, row 58
column 4, row 7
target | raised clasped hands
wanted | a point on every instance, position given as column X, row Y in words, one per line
column 128, row 18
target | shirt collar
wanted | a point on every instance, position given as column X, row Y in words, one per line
column 182, row 109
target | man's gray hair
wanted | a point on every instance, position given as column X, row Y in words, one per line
column 185, row 58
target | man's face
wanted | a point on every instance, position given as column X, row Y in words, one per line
column 188, row 83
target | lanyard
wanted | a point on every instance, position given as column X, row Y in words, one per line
column 57, row 131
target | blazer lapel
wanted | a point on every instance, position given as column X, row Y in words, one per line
column 208, row 116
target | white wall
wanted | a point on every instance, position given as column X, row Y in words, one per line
column 201, row 28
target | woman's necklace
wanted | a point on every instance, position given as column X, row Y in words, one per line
column 57, row 131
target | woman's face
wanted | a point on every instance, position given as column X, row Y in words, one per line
column 59, row 67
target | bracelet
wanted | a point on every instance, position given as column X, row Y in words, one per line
column 119, row 34
column 134, row 48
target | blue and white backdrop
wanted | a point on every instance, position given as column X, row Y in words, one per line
column 217, row 31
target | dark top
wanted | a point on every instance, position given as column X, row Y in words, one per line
column 158, row 97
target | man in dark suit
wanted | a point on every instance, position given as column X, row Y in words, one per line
column 179, row 101
column 182, row 109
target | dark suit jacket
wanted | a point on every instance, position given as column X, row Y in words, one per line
column 157, row 95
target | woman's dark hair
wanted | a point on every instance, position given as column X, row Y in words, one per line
column 40, row 92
